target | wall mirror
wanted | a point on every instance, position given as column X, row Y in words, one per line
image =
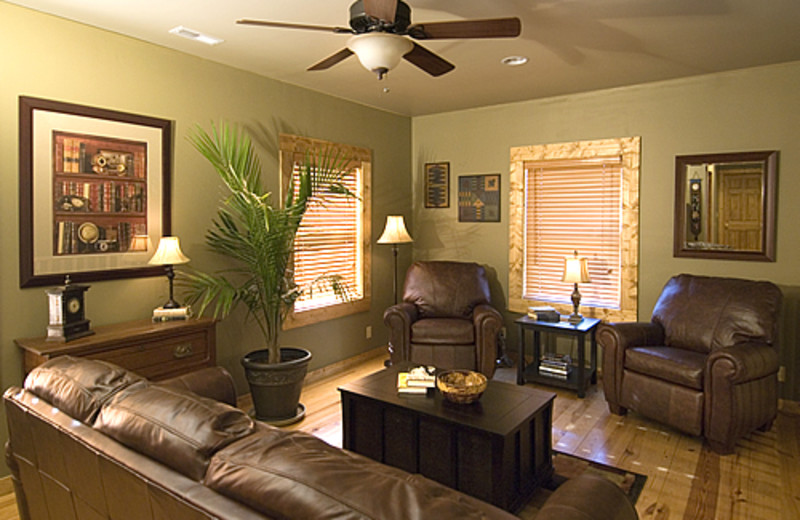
column 725, row 206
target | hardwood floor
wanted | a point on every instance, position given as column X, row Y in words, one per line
column 761, row 481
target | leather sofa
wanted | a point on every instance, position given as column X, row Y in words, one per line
column 89, row 440
column 706, row 363
column 446, row 318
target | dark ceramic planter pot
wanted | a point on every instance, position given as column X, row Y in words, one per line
column 275, row 388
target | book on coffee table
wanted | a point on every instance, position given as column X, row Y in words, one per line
column 416, row 380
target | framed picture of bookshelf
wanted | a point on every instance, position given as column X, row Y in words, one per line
column 91, row 180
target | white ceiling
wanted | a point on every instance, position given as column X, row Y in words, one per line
column 573, row 45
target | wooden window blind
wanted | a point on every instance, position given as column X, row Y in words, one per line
column 573, row 205
column 329, row 243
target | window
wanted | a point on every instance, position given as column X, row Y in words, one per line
column 333, row 236
column 575, row 197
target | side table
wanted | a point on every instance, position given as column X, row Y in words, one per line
column 153, row 350
column 580, row 377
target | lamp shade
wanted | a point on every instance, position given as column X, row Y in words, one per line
column 168, row 252
column 378, row 51
column 576, row 269
column 139, row 243
column 395, row 231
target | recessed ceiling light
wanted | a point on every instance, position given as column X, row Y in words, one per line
column 195, row 35
column 514, row 61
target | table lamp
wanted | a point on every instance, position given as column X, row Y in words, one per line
column 168, row 254
column 395, row 233
column 576, row 270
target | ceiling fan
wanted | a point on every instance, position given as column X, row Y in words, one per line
column 379, row 29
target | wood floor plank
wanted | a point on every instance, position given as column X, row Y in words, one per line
column 787, row 428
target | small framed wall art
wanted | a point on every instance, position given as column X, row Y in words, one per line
column 437, row 185
column 91, row 180
column 479, row 198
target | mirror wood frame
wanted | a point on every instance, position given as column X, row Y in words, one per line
column 768, row 206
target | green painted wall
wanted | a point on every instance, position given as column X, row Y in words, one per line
column 754, row 109
column 51, row 58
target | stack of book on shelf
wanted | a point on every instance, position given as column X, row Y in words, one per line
column 417, row 380
column 544, row 313
column 180, row 313
column 555, row 365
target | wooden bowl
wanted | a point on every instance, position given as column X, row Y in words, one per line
column 461, row 386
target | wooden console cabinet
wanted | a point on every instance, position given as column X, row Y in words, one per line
column 153, row 350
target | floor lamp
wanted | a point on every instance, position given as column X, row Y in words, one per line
column 395, row 233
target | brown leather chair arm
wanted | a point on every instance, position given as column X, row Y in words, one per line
column 488, row 323
column 614, row 338
column 588, row 497
column 740, row 393
column 213, row 382
column 743, row 362
column 399, row 319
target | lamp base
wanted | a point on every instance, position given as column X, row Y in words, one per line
column 574, row 319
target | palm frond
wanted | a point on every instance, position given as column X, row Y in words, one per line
column 256, row 236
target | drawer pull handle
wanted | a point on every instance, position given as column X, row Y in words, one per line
column 182, row 351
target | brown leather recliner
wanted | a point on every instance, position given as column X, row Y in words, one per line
column 707, row 362
column 445, row 318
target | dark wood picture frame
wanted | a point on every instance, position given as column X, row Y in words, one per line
column 479, row 198
column 137, row 180
column 437, row 185
column 692, row 216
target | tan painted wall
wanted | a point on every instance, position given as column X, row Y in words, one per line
column 754, row 109
column 51, row 58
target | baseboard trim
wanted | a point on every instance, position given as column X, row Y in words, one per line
column 6, row 485
column 344, row 365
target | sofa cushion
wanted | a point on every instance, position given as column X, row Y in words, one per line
column 443, row 331
column 286, row 474
column 78, row 387
column 676, row 365
column 176, row 427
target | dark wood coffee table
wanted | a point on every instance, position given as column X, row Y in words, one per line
column 498, row 449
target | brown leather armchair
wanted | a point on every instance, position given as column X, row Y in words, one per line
column 706, row 363
column 445, row 318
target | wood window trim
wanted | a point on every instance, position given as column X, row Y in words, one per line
column 629, row 149
column 292, row 146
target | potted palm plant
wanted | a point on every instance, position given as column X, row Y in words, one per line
column 258, row 237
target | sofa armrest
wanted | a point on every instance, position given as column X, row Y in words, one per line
column 399, row 319
column 212, row 382
column 488, row 322
column 588, row 497
column 614, row 338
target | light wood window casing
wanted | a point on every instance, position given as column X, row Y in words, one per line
column 575, row 196
column 334, row 235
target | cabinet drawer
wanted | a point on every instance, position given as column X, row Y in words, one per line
column 163, row 358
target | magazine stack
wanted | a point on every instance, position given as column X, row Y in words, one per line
column 554, row 365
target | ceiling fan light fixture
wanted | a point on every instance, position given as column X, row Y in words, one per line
column 379, row 52
column 514, row 61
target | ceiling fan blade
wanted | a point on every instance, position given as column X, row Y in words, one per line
column 381, row 9
column 431, row 63
column 332, row 60
column 285, row 25
column 491, row 28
